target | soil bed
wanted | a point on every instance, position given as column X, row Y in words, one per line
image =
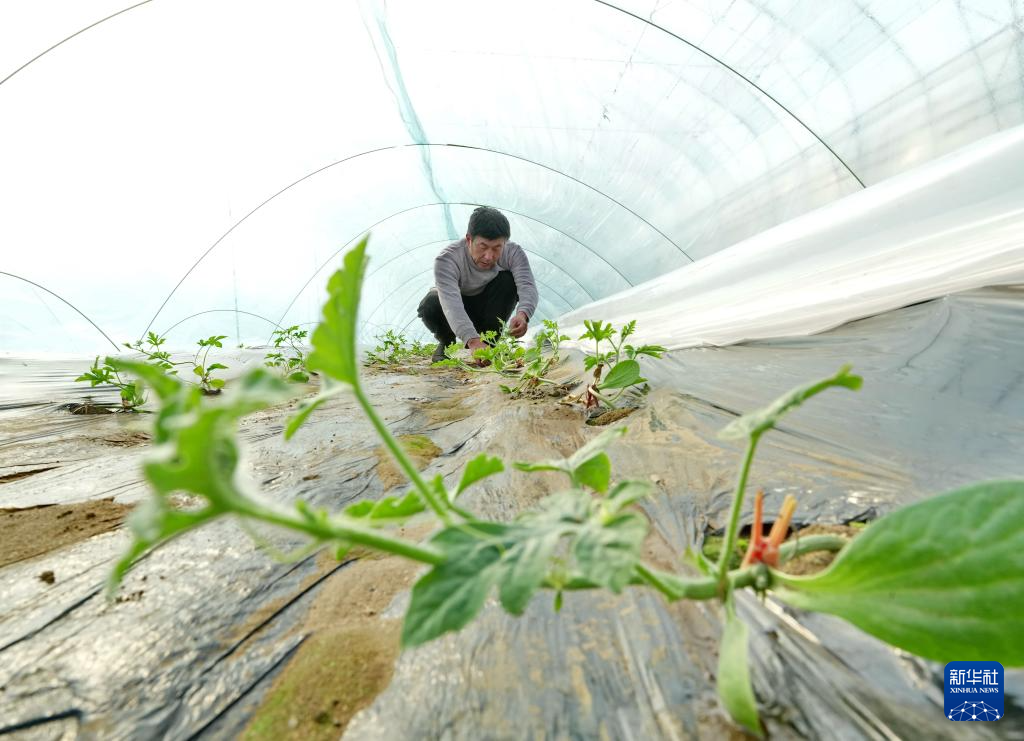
column 33, row 531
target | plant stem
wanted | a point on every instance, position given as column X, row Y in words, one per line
column 329, row 530
column 399, row 455
column 810, row 544
column 737, row 504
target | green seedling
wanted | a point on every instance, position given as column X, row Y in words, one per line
column 207, row 382
column 150, row 348
column 394, row 348
column 941, row 578
column 535, row 363
column 289, row 357
column 623, row 368
column 107, row 374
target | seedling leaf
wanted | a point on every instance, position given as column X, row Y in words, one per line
column 334, row 340
column 625, row 373
column 942, row 578
column 734, row 674
column 479, row 468
column 451, row 594
column 765, row 418
column 607, row 554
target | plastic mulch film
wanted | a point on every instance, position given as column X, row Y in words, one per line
column 205, row 625
column 948, row 226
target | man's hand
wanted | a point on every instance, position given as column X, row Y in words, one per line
column 476, row 344
column 518, row 324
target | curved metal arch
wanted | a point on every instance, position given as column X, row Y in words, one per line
column 427, row 205
column 712, row 57
column 439, row 241
column 61, row 298
column 378, row 150
column 211, row 311
column 68, row 38
column 420, row 275
column 605, row 3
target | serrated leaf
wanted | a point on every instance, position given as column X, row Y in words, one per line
column 734, row 687
column 479, row 468
column 942, row 578
column 608, row 553
column 306, row 408
column 334, row 340
column 624, row 374
column 765, row 418
column 595, row 473
column 626, row 493
column 195, row 450
column 387, row 511
column 451, row 594
column 581, row 457
column 523, row 568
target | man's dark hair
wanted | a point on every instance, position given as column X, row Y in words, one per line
column 489, row 223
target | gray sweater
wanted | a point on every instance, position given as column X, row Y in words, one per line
column 455, row 275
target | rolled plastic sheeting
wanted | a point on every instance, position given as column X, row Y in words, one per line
column 951, row 225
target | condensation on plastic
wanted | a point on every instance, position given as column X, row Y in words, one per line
column 941, row 406
column 624, row 139
column 954, row 224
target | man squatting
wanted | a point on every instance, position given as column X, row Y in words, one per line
column 477, row 282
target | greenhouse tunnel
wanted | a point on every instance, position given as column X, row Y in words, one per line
column 771, row 189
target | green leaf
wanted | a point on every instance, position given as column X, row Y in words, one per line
column 217, row 383
column 165, row 386
column 942, row 578
column 195, row 450
column 387, row 511
column 298, row 377
column 765, row 418
column 571, row 465
column 479, row 468
column 216, row 366
column 334, row 340
column 523, row 568
column 198, row 370
column 607, row 554
column 451, row 594
column 734, row 674
column 595, row 473
column 626, row 493
column 624, row 374
column 306, row 408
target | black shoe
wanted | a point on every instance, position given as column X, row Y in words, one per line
column 438, row 353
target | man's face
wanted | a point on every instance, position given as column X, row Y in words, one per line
column 484, row 252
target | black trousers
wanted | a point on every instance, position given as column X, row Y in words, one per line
column 495, row 302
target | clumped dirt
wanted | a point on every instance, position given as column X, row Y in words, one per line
column 33, row 531
column 420, row 449
column 347, row 660
column 126, row 440
column 610, row 417
column 812, row 563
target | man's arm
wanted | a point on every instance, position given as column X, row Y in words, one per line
column 446, row 279
column 526, row 286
